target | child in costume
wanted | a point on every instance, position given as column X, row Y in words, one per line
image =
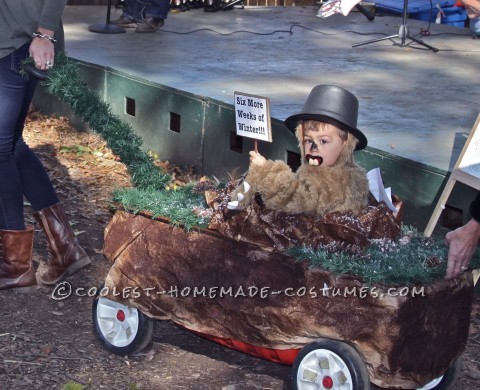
column 328, row 179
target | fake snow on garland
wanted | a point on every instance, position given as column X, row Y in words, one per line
column 411, row 259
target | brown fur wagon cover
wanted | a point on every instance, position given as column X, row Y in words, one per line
column 215, row 285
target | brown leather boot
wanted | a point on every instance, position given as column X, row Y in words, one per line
column 65, row 254
column 16, row 269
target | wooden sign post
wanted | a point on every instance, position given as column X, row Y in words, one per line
column 466, row 170
column 252, row 114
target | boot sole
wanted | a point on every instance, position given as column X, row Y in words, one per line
column 83, row 262
column 79, row 264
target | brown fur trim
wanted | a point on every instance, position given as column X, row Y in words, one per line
column 346, row 158
column 312, row 190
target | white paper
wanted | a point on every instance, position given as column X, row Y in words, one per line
column 375, row 183
column 336, row 7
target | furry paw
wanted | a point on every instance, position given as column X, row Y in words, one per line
column 239, row 204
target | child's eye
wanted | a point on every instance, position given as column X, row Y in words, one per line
column 323, row 141
column 307, row 141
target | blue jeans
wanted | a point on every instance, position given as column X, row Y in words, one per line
column 140, row 9
column 21, row 173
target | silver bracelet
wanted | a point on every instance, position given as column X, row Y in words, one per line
column 44, row 36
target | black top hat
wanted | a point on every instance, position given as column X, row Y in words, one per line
column 334, row 105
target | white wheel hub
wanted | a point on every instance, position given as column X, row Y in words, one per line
column 117, row 322
column 323, row 369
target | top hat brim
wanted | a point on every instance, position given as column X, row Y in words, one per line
column 292, row 122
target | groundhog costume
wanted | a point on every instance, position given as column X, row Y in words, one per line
column 314, row 189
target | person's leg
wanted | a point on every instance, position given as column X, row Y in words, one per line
column 16, row 241
column 66, row 256
column 127, row 18
column 475, row 26
column 136, row 8
column 36, row 184
column 157, row 9
column 154, row 13
column 13, row 91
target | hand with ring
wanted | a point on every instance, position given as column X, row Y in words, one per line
column 462, row 243
column 42, row 50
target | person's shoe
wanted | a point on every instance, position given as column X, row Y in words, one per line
column 65, row 254
column 124, row 22
column 16, row 269
column 149, row 25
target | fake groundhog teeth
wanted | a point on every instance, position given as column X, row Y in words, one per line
column 314, row 160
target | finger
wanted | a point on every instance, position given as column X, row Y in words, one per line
column 447, row 238
column 457, row 269
column 40, row 64
column 450, row 273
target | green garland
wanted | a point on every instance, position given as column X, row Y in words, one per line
column 151, row 192
column 63, row 82
column 176, row 205
column 411, row 259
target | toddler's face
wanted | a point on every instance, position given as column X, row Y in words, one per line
column 323, row 141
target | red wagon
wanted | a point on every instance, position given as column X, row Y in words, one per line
column 336, row 331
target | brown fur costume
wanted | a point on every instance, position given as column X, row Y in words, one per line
column 314, row 190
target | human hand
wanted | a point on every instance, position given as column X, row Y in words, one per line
column 257, row 159
column 462, row 243
column 42, row 50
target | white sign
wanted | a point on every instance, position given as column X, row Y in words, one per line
column 252, row 116
column 470, row 162
column 466, row 171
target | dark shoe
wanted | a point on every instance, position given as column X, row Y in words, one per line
column 65, row 254
column 149, row 25
column 16, row 269
column 124, row 22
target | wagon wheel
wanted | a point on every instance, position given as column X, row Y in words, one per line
column 445, row 382
column 123, row 330
column 329, row 364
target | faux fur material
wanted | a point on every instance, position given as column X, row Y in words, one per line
column 313, row 190
column 404, row 339
column 277, row 230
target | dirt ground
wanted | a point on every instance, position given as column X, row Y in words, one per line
column 50, row 344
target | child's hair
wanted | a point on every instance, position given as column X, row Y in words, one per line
column 318, row 126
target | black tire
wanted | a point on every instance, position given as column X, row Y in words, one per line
column 445, row 382
column 335, row 357
column 122, row 334
column 448, row 380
